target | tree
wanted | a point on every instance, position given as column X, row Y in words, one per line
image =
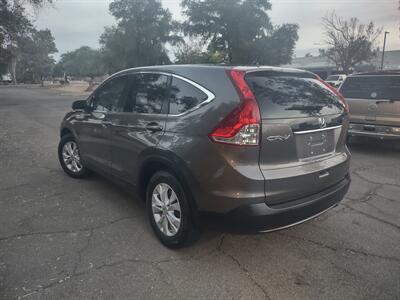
column 277, row 48
column 240, row 29
column 139, row 38
column 349, row 42
column 15, row 30
column 34, row 61
column 82, row 62
column 193, row 53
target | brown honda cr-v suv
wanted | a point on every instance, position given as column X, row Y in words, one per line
column 374, row 102
column 264, row 146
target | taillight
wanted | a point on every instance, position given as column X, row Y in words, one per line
column 242, row 125
column 336, row 92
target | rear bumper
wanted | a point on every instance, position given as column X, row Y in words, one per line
column 261, row 217
column 374, row 131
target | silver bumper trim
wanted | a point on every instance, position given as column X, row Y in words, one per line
column 374, row 134
column 299, row 222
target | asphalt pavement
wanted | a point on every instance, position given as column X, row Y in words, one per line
column 62, row 238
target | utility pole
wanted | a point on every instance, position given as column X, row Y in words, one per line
column 383, row 51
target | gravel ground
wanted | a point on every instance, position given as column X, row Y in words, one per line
column 81, row 239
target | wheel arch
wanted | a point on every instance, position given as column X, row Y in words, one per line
column 156, row 160
column 64, row 131
column 67, row 129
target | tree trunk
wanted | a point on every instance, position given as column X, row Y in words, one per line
column 13, row 69
column 91, row 84
column 229, row 50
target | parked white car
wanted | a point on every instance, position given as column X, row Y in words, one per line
column 336, row 80
column 5, row 79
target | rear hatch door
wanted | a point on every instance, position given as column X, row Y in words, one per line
column 373, row 99
column 302, row 148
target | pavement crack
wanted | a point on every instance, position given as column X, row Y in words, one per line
column 336, row 249
column 356, row 173
column 369, row 194
column 7, row 188
column 84, row 272
column 82, row 250
column 365, row 281
column 155, row 264
column 242, row 268
column 386, row 198
column 373, row 217
column 21, row 235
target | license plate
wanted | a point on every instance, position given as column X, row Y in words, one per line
column 315, row 143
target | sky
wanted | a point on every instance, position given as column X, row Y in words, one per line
column 76, row 23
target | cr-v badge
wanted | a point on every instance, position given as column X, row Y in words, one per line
column 274, row 138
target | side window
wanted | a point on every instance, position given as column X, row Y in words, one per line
column 184, row 96
column 147, row 93
column 109, row 97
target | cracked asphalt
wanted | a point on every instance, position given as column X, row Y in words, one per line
column 62, row 238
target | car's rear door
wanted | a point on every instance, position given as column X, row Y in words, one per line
column 373, row 99
column 93, row 128
column 142, row 123
column 304, row 123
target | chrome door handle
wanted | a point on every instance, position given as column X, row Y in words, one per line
column 153, row 127
column 323, row 174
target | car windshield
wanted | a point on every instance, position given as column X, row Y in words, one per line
column 372, row 87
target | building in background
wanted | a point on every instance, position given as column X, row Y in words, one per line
column 323, row 67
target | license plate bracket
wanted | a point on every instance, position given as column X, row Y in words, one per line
column 315, row 143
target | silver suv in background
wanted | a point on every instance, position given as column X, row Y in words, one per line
column 262, row 146
column 374, row 101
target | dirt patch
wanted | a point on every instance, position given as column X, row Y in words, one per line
column 74, row 88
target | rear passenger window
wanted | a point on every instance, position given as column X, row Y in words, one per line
column 184, row 96
column 147, row 94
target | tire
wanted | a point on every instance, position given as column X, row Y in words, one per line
column 76, row 169
column 163, row 210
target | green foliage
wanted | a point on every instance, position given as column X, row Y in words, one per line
column 193, row 53
column 276, row 48
column 24, row 51
column 240, row 29
column 34, row 62
column 349, row 42
column 14, row 27
column 82, row 62
column 139, row 38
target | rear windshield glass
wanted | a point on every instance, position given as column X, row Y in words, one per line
column 372, row 87
column 291, row 96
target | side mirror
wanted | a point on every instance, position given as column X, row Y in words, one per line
column 79, row 105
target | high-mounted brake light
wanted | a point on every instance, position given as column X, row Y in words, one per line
column 242, row 125
column 336, row 92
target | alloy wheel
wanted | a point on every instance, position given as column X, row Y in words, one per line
column 71, row 158
column 166, row 209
